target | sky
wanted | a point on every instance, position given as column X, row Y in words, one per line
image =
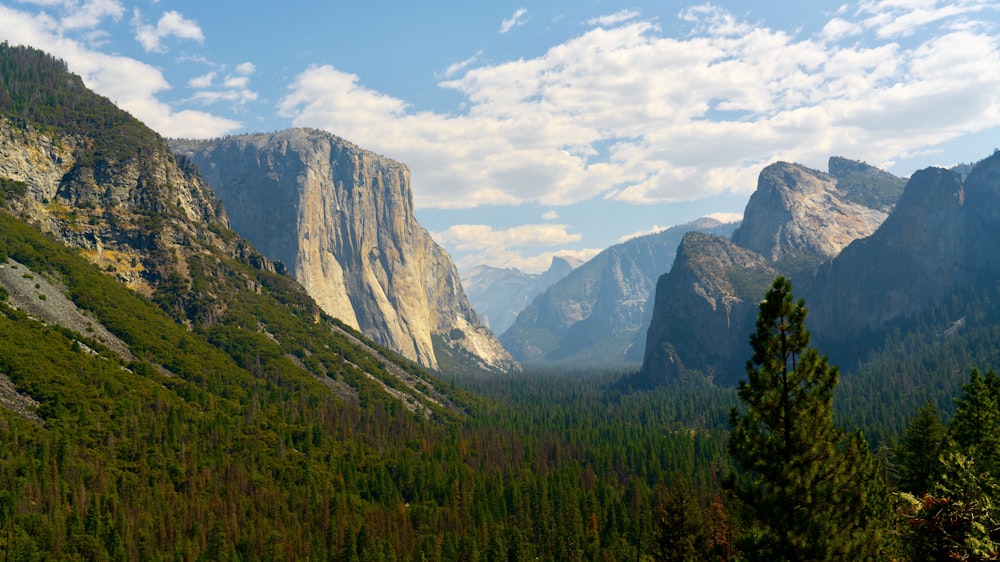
column 534, row 129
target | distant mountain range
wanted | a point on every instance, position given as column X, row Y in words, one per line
column 597, row 315
column 500, row 294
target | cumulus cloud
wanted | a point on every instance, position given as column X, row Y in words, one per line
column 203, row 81
column 246, row 68
column 77, row 15
column 131, row 84
column 513, row 21
column 624, row 112
column 171, row 24
column 550, row 215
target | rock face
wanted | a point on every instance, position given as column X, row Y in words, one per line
column 500, row 294
column 796, row 211
column 341, row 219
column 705, row 309
column 940, row 237
column 138, row 217
column 597, row 315
column 797, row 219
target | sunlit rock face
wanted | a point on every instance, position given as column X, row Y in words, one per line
column 341, row 219
column 799, row 211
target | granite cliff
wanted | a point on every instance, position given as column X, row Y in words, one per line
column 341, row 219
column 797, row 219
column 799, row 212
column 598, row 314
column 705, row 309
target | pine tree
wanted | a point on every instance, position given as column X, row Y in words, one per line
column 920, row 451
column 811, row 493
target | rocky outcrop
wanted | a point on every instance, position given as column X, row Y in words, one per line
column 799, row 212
column 705, row 309
column 341, row 219
column 598, row 314
column 138, row 217
column 500, row 294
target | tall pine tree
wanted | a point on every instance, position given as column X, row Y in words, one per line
column 811, row 492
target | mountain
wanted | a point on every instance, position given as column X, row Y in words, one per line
column 597, row 314
column 166, row 392
column 500, row 294
column 797, row 212
column 341, row 219
column 704, row 309
column 939, row 239
column 797, row 219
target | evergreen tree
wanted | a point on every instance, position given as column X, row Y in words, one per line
column 680, row 532
column 811, row 492
column 920, row 451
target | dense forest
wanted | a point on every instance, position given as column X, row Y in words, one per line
column 248, row 426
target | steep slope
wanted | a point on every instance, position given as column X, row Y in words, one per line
column 797, row 219
column 341, row 219
column 499, row 295
column 940, row 238
column 96, row 179
column 705, row 309
column 598, row 313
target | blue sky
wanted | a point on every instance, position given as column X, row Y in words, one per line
column 534, row 129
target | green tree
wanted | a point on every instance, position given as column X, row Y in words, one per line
column 920, row 451
column 681, row 530
column 975, row 429
column 811, row 493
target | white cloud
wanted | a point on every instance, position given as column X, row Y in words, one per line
column 246, row 68
column 457, row 67
column 203, row 81
column 725, row 217
column 550, row 215
column 481, row 236
column 625, row 112
column 902, row 18
column 76, row 15
column 474, row 244
column 131, row 84
column 614, row 19
column 513, row 21
column 171, row 24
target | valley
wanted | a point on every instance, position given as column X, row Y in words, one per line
column 248, row 349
